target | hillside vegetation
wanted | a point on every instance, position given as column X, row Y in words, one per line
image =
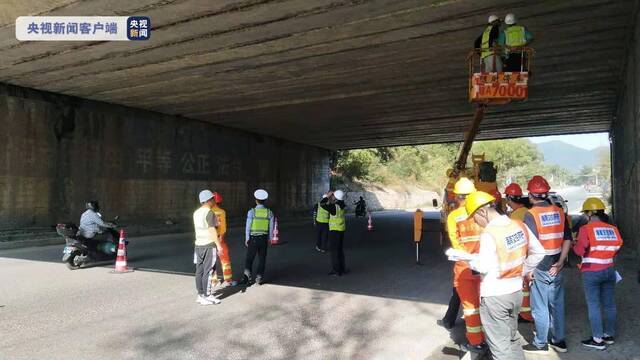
column 425, row 166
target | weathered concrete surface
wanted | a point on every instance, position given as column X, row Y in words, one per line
column 625, row 134
column 385, row 72
column 57, row 152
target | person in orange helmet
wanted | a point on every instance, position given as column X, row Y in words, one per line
column 549, row 224
column 516, row 203
column 223, row 276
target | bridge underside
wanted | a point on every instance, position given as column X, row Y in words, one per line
column 332, row 73
column 239, row 94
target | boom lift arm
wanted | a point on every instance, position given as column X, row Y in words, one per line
column 461, row 163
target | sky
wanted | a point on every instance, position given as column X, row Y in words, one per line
column 585, row 141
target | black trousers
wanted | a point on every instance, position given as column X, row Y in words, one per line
column 336, row 243
column 515, row 62
column 258, row 245
column 322, row 235
column 454, row 307
column 205, row 260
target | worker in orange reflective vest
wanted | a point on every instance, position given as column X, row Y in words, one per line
column 464, row 234
column 598, row 243
column 518, row 209
column 548, row 222
column 224, row 276
column 509, row 251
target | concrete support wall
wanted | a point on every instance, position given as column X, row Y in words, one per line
column 56, row 152
column 626, row 147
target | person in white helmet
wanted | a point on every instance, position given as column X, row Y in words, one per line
column 490, row 59
column 335, row 205
column 258, row 231
column 207, row 245
column 514, row 36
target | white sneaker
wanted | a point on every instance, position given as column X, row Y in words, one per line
column 212, row 299
column 204, row 301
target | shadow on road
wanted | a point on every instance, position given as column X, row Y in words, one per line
column 381, row 262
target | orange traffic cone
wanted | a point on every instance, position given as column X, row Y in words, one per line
column 370, row 224
column 275, row 240
column 121, row 258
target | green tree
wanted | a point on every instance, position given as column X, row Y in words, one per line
column 357, row 164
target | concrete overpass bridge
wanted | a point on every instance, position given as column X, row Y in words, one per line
column 235, row 94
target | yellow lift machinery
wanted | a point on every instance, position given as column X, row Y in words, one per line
column 485, row 88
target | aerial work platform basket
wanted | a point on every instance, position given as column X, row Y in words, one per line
column 499, row 87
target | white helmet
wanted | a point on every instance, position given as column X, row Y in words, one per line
column 205, row 195
column 493, row 17
column 510, row 19
column 261, row 194
column 339, row 194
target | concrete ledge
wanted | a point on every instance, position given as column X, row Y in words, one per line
column 21, row 238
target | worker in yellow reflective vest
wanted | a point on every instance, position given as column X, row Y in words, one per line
column 334, row 204
column 321, row 220
column 224, row 275
column 258, row 231
column 514, row 36
column 491, row 60
column 464, row 234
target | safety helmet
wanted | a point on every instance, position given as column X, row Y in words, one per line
column 217, row 197
column 205, row 195
column 92, row 205
column 593, row 204
column 261, row 194
column 538, row 185
column 510, row 19
column 513, row 189
column 493, row 17
column 339, row 194
column 464, row 186
column 476, row 200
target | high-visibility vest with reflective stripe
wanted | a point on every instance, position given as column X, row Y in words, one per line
column 467, row 239
column 322, row 215
column 203, row 233
column 486, row 35
column 469, row 235
column 337, row 222
column 222, row 220
column 550, row 222
column 260, row 221
column 511, row 245
column 604, row 243
column 515, row 36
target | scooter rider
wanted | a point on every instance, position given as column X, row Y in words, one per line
column 361, row 206
column 93, row 228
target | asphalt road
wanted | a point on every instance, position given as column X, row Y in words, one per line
column 385, row 308
column 575, row 196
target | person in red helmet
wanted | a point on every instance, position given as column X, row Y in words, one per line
column 516, row 201
column 224, row 275
column 518, row 205
column 549, row 224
